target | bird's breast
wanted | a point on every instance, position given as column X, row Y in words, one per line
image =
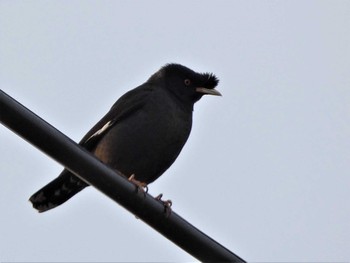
column 148, row 142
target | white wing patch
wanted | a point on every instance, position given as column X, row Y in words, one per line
column 102, row 130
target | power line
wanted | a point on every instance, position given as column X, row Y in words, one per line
column 84, row 165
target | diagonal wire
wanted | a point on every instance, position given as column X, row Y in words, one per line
column 84, row 165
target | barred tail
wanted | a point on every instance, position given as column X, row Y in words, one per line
column 57, row 191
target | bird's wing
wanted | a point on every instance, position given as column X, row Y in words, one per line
column 128, row 104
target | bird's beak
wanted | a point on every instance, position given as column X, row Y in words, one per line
column 208, row 91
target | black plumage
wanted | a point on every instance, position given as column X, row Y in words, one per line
column 142, row 134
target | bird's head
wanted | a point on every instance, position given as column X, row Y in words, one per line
column 187, row 85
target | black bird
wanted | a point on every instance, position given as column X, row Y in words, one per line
column 142, row 134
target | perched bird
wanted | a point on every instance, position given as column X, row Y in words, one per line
column 142, row 134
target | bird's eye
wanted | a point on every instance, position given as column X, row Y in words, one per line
column 187, row 82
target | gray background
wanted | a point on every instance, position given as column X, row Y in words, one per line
column 266, row 169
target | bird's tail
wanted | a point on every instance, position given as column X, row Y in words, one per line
column 57, row 191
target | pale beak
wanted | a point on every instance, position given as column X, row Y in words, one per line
column 208, row 91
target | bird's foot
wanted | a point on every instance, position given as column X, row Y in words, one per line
column 141, row 186
column 167, row 204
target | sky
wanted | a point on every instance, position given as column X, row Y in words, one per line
column 266, row 170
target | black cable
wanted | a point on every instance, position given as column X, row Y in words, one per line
column 84, row 165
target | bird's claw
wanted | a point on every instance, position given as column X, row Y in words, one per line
column 142, row 187
column 167, row 204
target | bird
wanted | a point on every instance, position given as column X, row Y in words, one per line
column 142, row 134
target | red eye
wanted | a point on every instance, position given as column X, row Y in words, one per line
column 187, row 82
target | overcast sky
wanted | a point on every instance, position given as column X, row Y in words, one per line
column 266, row 170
